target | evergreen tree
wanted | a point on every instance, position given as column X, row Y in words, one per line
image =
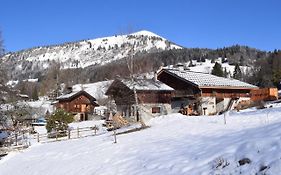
column 217, row 70
column 59, row 121
column 225, row 73
column 35, row 93
column 190, row 63
column 237, row 74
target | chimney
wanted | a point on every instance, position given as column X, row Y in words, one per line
column 180, row 66
column 155, row 76
column 69, row 90
column 82, row 87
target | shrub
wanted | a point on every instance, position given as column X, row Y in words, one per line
column 58, row 122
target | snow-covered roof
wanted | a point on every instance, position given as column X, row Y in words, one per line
column 96, row 90
column 23, row 95
column 146, row 84
column 65, row 96
column 207, row 80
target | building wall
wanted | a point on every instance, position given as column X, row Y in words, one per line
column 81, row 104
column 207, row 106
column 146, row 110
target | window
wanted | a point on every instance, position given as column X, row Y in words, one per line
column 155, row 110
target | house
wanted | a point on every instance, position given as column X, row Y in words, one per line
column 202, row 93
column 153, row 98
column 79, row 103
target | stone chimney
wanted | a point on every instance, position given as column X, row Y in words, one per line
column 155, row 76
column 69, row 89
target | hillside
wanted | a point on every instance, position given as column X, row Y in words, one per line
column 106, row 58
column 83, row 53
column 174, row 144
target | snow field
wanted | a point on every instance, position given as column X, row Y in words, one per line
column 174, row 144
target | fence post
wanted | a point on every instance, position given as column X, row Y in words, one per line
column 56, row 135
column 224, row 117
column 69, row 134
column 95, row 129
column 114, row 133
column 77, row 132
column 16, row 137
column 38, row 138
column 23, row 139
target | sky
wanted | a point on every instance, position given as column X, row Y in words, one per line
column 189, row 23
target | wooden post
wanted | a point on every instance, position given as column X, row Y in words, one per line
column 224, row 117
column 38, row 140
column 77, row 132
column 69, row 134
column 23, row 140
column 16, row 137
column 95, row 129
column 114, row 133
column 56, row 135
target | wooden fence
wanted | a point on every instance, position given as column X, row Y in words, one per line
column 65, row 135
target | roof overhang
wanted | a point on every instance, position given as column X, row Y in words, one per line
column 227, row 87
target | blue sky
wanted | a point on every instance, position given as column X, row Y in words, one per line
column 190, row 23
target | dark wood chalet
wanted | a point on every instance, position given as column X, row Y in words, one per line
column 201, row 93
column 154, row 97
column 78, row 103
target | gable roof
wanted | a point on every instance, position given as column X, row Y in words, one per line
column 96, row 90
column 146, row 85
column 73, row 95
column 140, row 85
column 204, row 80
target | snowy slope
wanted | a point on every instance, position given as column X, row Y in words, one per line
column 174, row 144
column 207, row 66
column 84, row 53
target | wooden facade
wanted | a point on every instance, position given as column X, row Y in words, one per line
column 150, row 101
column 124, row 95
column 225, row 93
column 264, row 94
column 79, row 103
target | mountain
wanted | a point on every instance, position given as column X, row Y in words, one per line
column 81, row 54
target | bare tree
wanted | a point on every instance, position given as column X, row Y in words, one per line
column 131, row 67
column 2, row 50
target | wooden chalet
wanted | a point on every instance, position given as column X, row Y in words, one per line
column 78, row 103
column 204, row 94
column 154, row 98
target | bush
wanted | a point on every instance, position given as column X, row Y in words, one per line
column 58, row 122
column 220, row 163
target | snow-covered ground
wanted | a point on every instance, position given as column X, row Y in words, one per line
column 207, row 66
column 173, row 144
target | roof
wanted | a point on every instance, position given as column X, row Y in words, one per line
column 204, row 80
column 146, row 85
column 96, row 90
column 72, row 95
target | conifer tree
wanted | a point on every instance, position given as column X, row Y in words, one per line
column 225, row 73
column 237, row 74
column 217, row 70
column 59, row 121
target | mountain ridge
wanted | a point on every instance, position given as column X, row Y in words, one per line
column 84, row 53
